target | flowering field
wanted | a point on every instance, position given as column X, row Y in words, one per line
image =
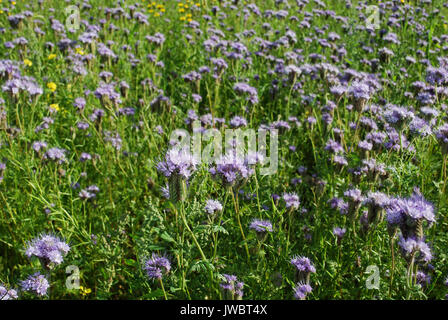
column 287, row 149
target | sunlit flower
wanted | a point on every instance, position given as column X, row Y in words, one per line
column 52, row 86
column 55, row 107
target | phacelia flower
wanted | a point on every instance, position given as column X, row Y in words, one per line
column 419, row 248
column 213, row 206
column 409, row 214
column 301, row 291
column 304, row 268
column 233, row 289
column 178, row 161
column 49, row 249
column 244, row 88
column 261, row 226
column 303, row 264
column 339, row 232
column 6, row 294
column 442, row 137
column 36, row 283
column 55, row 154
column 291, row 200
column 232, row 170
column 157, row 266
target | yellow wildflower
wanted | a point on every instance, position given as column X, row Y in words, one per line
column 52, row 86
column 79, row 51
column 27, row 62
column 85, row 291
column 55, row 106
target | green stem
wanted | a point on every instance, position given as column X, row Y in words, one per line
column 393, row 263
column 289, row 213
column 444, row 172
column 163, row 288
column 192, row 234
column 239, row 224
column 195, row 241
column 409, row 275
column 215, row 244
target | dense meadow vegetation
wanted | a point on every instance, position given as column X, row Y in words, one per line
column 97, row 201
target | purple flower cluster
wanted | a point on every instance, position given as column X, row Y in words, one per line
column 9, row 69
column 232, row 170
column 178, row 162
column 39, row 145
column 354, row 199
column 192, row 76
column 303, row 264
column 19, row 84
column 398, row 116
column 339, row 232
column 244, row 88
column 6, row 294
column 238, row 121
column 304, row 268
column 55, row 154
column 233, row 289
column 213, row 206
column 106, row 92
column 291, row 200
column 157, row 266
column 261, row 226
column 334, row 146
column 360, row 91
column 157, row 39
column 89, row 193
column 442, row 137
column 49, row 249
column 301, row 291
column 409, row 214
column 79, row 103
column 419, row 248
column 36, row 283
column 340, row 204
